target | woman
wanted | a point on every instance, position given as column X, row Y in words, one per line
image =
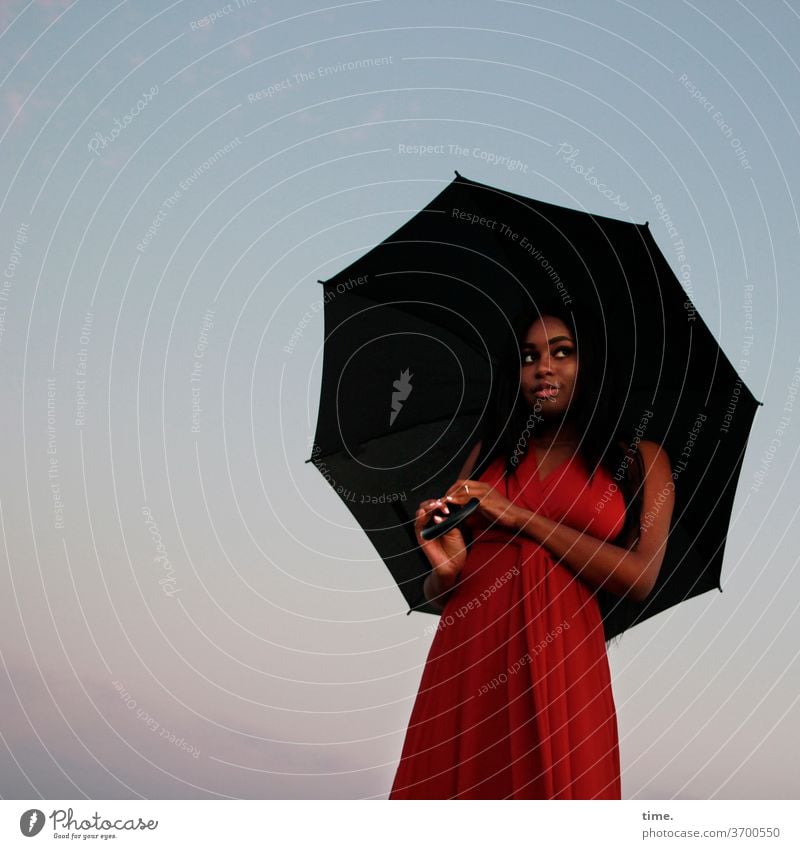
column 515, row 700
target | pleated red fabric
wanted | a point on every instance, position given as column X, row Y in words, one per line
column 515, row 700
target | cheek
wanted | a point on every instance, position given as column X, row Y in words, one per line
column 572, row 376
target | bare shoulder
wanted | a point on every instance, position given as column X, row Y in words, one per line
column 654, row 456
column 649, row 450
column 655, row 460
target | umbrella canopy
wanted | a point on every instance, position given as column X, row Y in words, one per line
column 412, row 334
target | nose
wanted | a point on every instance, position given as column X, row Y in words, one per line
column 543, row 367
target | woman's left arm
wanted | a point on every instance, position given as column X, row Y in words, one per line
column 622, row 571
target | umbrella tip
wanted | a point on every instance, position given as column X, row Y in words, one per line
column 321, row 281
column 458, row 175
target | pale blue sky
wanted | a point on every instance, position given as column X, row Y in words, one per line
column 268, row 653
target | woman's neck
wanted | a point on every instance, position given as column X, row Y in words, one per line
column 557, row 434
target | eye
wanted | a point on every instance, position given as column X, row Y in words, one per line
column 561, row 352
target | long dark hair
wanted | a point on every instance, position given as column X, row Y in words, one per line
column 595, row 410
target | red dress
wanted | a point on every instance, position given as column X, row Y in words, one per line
column 515, row 700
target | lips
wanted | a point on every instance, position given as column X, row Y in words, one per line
column 546, row 390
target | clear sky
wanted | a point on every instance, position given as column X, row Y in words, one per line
column 186, row 607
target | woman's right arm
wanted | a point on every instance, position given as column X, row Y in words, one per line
column 447, row 553
column 436, row 591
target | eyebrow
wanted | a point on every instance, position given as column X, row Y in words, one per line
column 526, row 345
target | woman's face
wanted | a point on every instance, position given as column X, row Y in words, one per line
column 549, row 370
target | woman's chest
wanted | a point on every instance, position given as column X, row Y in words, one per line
column 564, row 494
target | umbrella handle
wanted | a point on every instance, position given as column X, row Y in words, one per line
column 458, row 512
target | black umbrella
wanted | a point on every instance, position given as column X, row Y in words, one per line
column 412, row 330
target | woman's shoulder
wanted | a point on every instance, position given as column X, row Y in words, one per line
column 652, row 453
column 646, row 446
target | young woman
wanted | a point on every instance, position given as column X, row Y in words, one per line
column 515, row 700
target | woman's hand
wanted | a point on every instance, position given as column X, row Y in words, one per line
column 494, row 506
column 447, row 553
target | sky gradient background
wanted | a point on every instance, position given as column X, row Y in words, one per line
column 267, row 653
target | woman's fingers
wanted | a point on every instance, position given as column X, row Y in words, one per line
column 427, row 510
column 427, row 507
column 459, row 494
column 424, row 513
column 433, row 504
